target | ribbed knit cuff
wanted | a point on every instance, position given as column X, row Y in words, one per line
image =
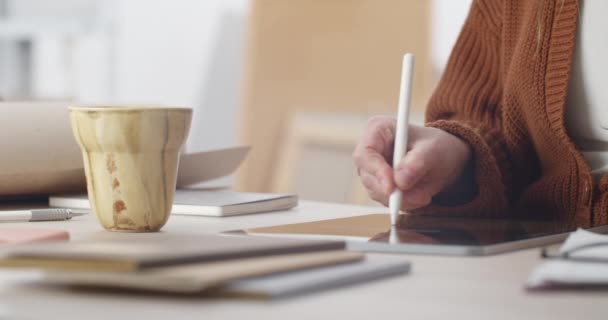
column 490, row 171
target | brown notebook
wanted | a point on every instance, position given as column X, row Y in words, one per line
column 199, row 277
column 138, row 252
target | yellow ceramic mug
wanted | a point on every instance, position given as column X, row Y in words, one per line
column 130, row 158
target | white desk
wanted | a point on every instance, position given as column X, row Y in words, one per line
column 437, row 288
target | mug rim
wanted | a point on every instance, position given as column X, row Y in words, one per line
column 127, row 107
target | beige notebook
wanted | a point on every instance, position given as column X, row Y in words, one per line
column 194, row 278
column 130, row 252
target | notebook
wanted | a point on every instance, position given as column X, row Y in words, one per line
column 141, row 252
column 217, row 203
column 289, row 284
column 198, row 277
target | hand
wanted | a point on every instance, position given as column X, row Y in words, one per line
column 434, row 161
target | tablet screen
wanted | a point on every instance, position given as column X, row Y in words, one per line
column 467, row 231
column 424, row 229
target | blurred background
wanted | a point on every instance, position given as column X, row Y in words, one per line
column 295, row 79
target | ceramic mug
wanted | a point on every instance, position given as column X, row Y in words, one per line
column 131, row 156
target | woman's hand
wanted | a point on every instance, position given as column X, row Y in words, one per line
column 434, row 161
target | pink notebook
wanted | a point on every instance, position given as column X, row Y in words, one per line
column 27, row 235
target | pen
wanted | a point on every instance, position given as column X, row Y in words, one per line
column 405, row 94
column 38, row 215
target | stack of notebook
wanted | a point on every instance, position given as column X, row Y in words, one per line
column 188, row 264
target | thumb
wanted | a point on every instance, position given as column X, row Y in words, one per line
column 412, row 168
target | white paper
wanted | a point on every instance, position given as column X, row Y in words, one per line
column 39, row 156
column 583, row 237
column 204, row 166
column 558, row 272
column 566, row 272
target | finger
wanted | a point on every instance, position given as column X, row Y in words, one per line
column 380, row 133
column 409, row 206
column 375, row 165
column 374, row 188
column 417, row 197
column 412, row 168
column 370, row 182
column 376, row 148
column 369, row 160
column 378, row 136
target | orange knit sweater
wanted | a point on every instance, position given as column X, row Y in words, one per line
column 503, row 91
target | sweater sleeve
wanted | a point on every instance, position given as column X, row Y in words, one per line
column 466, row 103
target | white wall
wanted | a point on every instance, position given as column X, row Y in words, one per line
column 183, row 52
column 190, row 52
column 41, row 38
column 177, row 52
column 447, row 19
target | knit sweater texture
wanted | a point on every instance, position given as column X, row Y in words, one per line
column 504, row 92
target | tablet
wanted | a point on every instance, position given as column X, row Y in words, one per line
column 430, row 234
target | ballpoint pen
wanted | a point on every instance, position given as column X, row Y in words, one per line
column 400, row 147
column 38, row 215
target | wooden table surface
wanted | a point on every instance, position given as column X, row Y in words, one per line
column 438, row 287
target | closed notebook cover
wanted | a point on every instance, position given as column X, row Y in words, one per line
column 155, row 250
column 198, row 277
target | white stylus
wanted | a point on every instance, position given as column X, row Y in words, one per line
column 405, row 94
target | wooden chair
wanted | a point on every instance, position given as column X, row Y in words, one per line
column 316, row 159
column 340, row 58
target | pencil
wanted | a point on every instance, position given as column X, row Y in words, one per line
column 400, row 148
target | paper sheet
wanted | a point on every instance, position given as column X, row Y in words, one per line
column 582, row 238
column 565, row 272
column 39, row 156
